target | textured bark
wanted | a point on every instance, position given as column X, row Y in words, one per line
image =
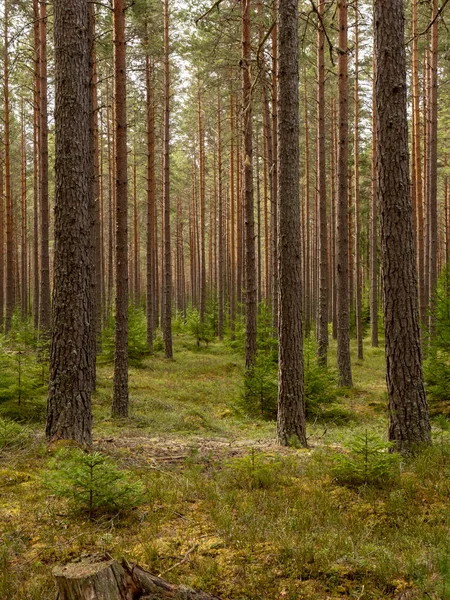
column 322, row 316
column 307, row 261
column 36, row 145
column 250, row 258
column 96, row 223
column 333, row 161
column 10, row 295
column 358, row 277
column 373, row 230
column 151, row 208
column 221, row 249
column 44, row 298
column 232, row 226
column 432, row 184
column 409, row 424
column 417, row 165
column 2, row 245
column 274, row 168
column 202, row 190
column 23, row 233
column 291, row 410
column 167, row 269
column 120, row 387
column 342, row 259
column 69, row 414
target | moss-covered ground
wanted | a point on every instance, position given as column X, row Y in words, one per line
column 223, row 508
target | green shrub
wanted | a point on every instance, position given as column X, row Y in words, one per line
column 260, row 395
column 367, row 462
column 137, row 338
column 93, row 483
column 201, row 331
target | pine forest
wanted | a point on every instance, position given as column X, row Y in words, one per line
column 224, row 299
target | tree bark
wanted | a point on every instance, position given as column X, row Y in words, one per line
column 291, row 410
column 167, row 270
column 342, row 259
column 358, row 281
column 250, row 259
column 10, row 295
column 409, row 424
column 374, row 228
column 120, row 385
column 69, row 414
column 44, row 300
column 151, row 208
column 322, row 316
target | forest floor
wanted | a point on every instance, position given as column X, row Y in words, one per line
column 225, row 509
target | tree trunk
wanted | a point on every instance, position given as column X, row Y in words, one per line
column 44, row 300
column 322, row 325
column 167, row 269
column 151, row 250
column 120, row 386
column 342, row 259
column 24, row 236
column 69, row 414
column 409, row 424
column 291, row 408
column 374, row 228
column 432, row 184
column 221, row 249
column 10, row 296
column 417, row 166
column 250, row 259
column 274, row 168
column 36, row 159
column 358, row 282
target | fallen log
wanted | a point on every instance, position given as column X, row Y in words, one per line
column 100, row 577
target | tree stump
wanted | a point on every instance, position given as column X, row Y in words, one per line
column 95, row 578
column 100, row 577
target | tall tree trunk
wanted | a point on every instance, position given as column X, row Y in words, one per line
column 432, row 184
column 167, row 269
column 358, row 282
column 342, row 258
column 10, row 295
column 291, row 410
column 2, row 245
column 417, row 166
column 308, row 259
column 151, row 250
column 274, row 167
column 232, row 226
column 201, row 152
column 409, row 424
column 69, row 414
column 96, row 224
column 322, row 325
column 120, row 387
column 36, row 175
column 44, row 300
column 373, row 228
column 24, row 236
column 250, row 259
column 221, row 250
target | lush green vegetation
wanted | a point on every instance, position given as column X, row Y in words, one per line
column 204, row 496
